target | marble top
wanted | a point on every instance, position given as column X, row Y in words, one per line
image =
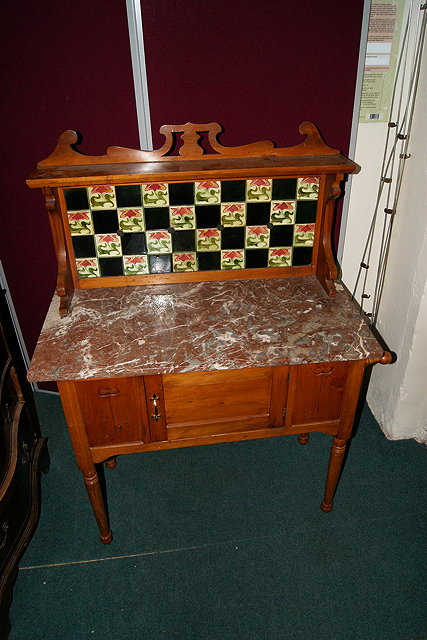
column 203, row 326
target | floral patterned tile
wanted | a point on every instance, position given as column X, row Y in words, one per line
column 304, row 235
column 308, row 188
column 183, row 217
column 184, row 262
column 80, row 223
column 135, row 265
column 155, row 195
column 208, row 239
column 102, row 197
column 233, row 259
column 258, row 189
column 280, row 257
column 108, row 245
column 131, row 219
column 159, row 242
column 257, row 237
column 233, row 214
column 208, row 192
column 283, row 212
column 87, row 268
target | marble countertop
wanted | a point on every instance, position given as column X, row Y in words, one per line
column 203, row 326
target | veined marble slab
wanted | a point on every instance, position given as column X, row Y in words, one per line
column 206, row 326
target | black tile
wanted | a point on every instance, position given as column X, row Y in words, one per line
column 129, row 195
column 133, row 244
column 208, row 216
column 181, row 193
column 284, row 189
column 233, row 191
column 209, row 261
column 301, row 256
column 160, row 263
column 257, row 213
column 306, row 212
column 281, row 236
column 84, row 246
column 76, row 199
column 156, row 218
column 256, row 258
column 233, row 238
column 184, row 241
column 111, row 266
column 105, row 221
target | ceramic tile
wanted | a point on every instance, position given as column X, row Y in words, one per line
column 108, row 245
column 80, row 223
column 87, row 268
column 258, row 189
column 184, row 262
column 208, row 239
column 207, row 192
column 131, row 220
column 159, row 242
column 257, row 237
column 304, row 234
column 105, row 221
column 183, row 217
column 155, row 195
column 283, row 212
column 233, row 214
column 308, row 188
column 181, row 193
column 135, row 265
column 280, row 257
column 232, row 259
column 102, row 197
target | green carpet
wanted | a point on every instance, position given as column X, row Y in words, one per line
column 227, row 542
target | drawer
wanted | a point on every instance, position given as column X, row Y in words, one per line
column 113, row 410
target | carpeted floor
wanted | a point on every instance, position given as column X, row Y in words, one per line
column 227, row 542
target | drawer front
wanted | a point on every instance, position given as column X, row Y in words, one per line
column 317, row 393
column 219, row 402
column 113, row 410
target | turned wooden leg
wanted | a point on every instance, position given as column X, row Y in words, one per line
column 334, row 470
column 111, row 463
column 303, row 438
column 96, row 498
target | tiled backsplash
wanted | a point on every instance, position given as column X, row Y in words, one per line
column 193, row 226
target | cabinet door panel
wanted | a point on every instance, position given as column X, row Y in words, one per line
column 316, row 393
column 113, row 410
column 218, row 402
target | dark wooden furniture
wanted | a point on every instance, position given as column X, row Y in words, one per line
column 198, row 301
column 21, row 448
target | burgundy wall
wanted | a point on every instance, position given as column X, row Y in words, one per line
column 66, row 65
column 259, row 68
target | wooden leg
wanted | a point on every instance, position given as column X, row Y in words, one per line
column 111, row 463
column 98, row 505
column 334, row 470
column 303, row 438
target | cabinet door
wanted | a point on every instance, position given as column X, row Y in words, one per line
column 202, row 404
column 317, row 394
column 113, row 410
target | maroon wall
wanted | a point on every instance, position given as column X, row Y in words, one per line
column 259, row 68
column 66, row 65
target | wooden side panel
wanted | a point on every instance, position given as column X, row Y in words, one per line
column 113, row 410
column 316, row 393
column 218, row 402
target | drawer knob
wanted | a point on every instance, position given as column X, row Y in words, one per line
column 107, row 393
column 155, row 400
